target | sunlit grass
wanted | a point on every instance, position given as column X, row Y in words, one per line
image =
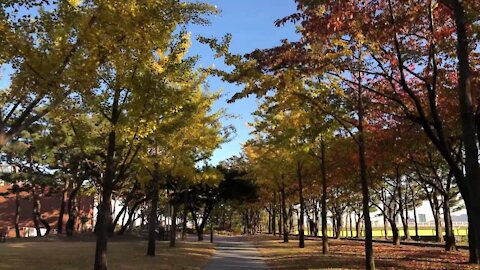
column 121, row 255
column 379, row 232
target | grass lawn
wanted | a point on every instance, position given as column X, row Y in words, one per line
column 346, row 254
column 379, row 232
column 69, row 255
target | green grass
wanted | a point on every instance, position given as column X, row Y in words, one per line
column 379, row 232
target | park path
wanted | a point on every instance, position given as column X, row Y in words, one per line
column 234, row 254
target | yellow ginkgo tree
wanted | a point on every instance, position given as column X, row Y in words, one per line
column 135, row 82
column 182, row 138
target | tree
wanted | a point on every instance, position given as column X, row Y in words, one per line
column 406, row 70
column 184, row 136
column 406, row 65
column 131, row 82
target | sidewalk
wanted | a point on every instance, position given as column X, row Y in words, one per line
column 232, row 253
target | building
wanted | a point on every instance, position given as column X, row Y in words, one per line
column 50, row 210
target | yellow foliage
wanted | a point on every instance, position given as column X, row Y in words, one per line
column 75, row 3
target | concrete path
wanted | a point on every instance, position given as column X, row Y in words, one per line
column 234, row 254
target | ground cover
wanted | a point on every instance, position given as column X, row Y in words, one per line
column 122, row 255
column 347, row 254
column 379, row 232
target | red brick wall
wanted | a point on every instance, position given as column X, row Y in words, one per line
column 50, row 210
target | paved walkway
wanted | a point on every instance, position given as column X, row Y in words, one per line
column 233, row 254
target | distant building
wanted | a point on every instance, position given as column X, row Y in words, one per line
column 422, row 218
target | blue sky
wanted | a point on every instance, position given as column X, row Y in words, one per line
column 251, row 23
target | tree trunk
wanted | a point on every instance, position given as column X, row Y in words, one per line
column 324, row 197
column 369, row 259
column 200, row 226
column 17, row 214
column 122, row 212
column 274, row 214
column 280, row 219
column 385, row 224
column 358, row 220
column 290, row 219
column 450, row 244
column 316, row 216
column 123, row 217
column 472, row 168
column 284, row 213
column 200, row 233
column 346, row 224
column 43, row 221
column 269, row 223
column 173, row 231
column 334, row 226
column 396, row 236
column 406, row 230
column 339, row 225
column 62, row 208
column 153, row 217
column 350, row 223
column 438, row 227
column 127, row 224
column 436, row 217
column 35, row 214
column 131, row 214
column 301, row 221
column 361, row 229
column 184, row 222
column 211, row 232
column 101, row 229
column 472, row 245
column 130, row 224
column 247, row 223
column 310, row 224
column 414, row 213
column 142, row 217
column 104, row 217
column 72, row 213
